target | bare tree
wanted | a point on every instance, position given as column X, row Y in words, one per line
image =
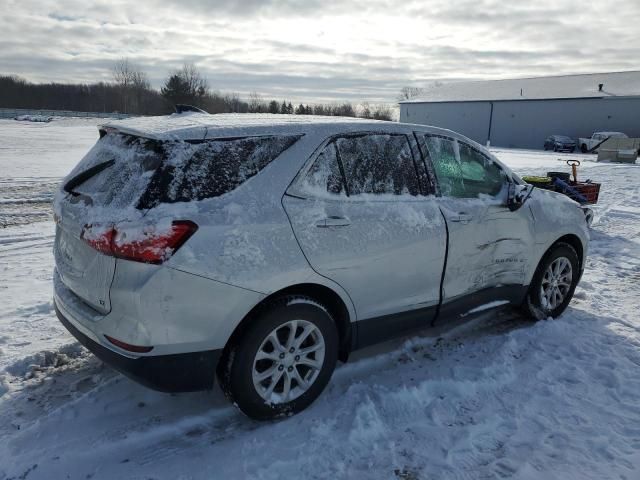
column 234, row 104
column 382, row 112
column 197, row 83
column 128, row 74
column 365, row 110
column 408, row 93
column 256, row 103
column 133, row 84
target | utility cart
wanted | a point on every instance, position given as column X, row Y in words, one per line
column 585, row 193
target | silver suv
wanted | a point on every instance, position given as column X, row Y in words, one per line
column 263, row 248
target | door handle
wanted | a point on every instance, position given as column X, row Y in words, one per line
column 461, row 218
column 333, row 221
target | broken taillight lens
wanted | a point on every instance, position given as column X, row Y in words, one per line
column 146, row 244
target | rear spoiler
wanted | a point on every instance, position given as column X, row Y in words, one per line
column 105, row 130
column 181, row 108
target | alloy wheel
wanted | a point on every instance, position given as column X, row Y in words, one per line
column 556, row 283
column 288, row 361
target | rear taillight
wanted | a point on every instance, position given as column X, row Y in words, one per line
column 139, row 244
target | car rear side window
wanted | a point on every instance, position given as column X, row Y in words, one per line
column 325, row 176
column 378, row 164
column 211, row 168
column 461, row 170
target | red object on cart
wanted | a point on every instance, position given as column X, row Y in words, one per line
column 590, row 191
column 581, row 192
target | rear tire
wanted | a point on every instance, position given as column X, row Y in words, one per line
column 267, row 372
column 553, row 283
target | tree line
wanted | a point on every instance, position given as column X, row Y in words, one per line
column 130, row 92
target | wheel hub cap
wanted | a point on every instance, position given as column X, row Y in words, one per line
column 288, row 361
column 556, row 283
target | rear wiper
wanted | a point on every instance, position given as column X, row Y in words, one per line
column 79, row 179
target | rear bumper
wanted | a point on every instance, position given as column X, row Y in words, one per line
column 183, row 372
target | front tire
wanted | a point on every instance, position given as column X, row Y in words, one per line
column 283, row 361
column 553, row 283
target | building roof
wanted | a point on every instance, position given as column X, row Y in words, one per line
column 615, row 84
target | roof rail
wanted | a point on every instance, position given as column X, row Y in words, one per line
column 181, row 108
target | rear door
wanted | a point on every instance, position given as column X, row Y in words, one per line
column 489, row 245
column 365, row 218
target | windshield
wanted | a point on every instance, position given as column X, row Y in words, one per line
column 562, row 138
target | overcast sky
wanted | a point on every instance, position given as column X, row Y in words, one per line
column 318, row 49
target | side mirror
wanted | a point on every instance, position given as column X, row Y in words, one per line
column 517, row 195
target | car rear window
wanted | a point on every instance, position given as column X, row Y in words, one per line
column 123, row 170
column 116, row 171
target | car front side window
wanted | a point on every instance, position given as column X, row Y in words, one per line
column 461, row 170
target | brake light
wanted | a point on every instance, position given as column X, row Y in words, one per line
column 139, row 244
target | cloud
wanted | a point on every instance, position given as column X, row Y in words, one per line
column 317, row 50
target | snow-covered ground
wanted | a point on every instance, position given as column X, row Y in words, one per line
column 499, row 398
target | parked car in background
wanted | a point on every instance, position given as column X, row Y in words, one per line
column 559, row 143
column 591, row 144
column 261, row 249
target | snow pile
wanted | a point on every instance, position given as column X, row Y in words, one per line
column 33, row 118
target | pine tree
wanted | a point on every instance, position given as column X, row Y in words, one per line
column 176, row 90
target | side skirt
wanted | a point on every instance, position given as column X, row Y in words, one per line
column 461, row 307
column 379, row 329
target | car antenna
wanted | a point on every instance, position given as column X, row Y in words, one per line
column 181, row 108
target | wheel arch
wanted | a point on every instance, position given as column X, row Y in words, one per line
column 325, row 296
column 572, row 240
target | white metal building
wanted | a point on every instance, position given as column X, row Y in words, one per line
column 521, row 113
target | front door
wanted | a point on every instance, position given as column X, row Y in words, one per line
column 488, row 244
column 362, row 217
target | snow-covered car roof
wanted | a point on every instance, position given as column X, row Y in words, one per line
column 199, row 126
column 610, row 134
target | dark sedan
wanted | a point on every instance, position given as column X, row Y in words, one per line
column 559, row 143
